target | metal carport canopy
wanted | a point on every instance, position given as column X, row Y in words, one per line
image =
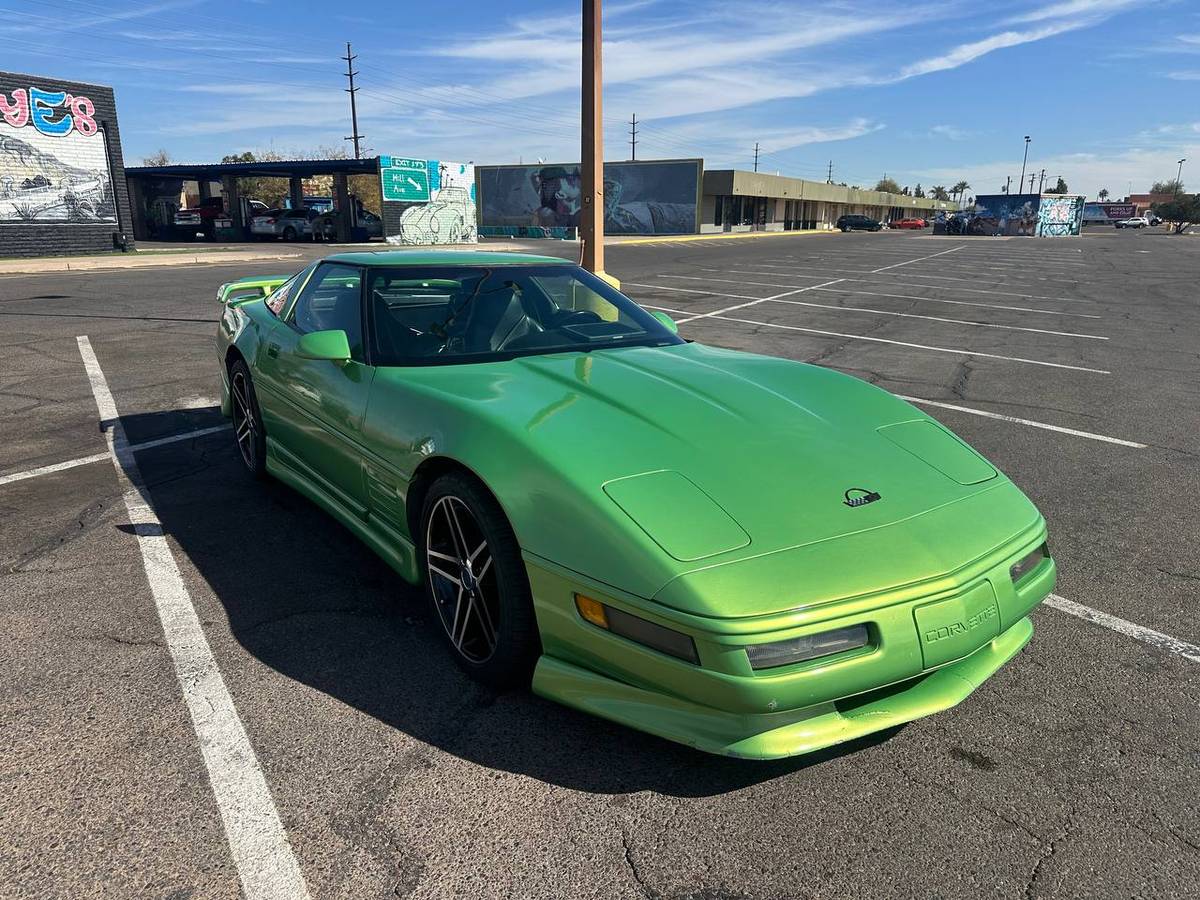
column 298, row 168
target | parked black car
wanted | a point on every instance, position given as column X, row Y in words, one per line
column 858, row 223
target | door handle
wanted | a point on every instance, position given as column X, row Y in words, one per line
column 273, row 350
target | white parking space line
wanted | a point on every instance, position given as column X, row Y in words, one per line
column 973, row 324
column 261, row 851
column 877, row 340
column 919, row 259
column 705, row 278
column 1043, row 425
column 719, row 312
column 1029, row 309
column 663, row 287
column 97, row 457
column 796, row 272
column 1155, row 639
column 53, row 467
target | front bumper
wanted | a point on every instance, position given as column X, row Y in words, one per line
column 780, row 734
column 913, row 666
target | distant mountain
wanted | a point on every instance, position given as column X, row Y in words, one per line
column 22, row 161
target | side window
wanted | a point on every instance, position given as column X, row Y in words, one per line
column 278, row 300
column 332, row 301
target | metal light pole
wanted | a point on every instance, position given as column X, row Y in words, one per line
column 1021, row 180
column 591, row 213
column 1179, row 178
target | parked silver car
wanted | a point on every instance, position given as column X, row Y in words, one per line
column 324, row 226
column 288, row 224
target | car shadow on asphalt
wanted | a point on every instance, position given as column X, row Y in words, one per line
column 305, row 597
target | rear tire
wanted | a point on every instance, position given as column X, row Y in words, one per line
column 248, row 428
column 289, row 233
column 476, row 583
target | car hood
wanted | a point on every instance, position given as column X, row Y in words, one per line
column 713, row 455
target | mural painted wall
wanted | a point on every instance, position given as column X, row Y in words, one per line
column 427, row 201
column 62, row 180
column 651, row 197
column 53, row 160
column 1059, row 216
column 1004, row 214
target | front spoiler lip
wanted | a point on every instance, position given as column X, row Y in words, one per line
column 782, row 734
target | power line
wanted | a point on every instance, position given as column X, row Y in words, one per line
column 350, row 73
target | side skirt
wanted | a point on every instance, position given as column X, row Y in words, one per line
column 392, row 547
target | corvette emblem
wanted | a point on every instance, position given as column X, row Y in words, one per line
column 860, row 497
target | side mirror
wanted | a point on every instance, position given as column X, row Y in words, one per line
column 666, row 321
column 329, row 345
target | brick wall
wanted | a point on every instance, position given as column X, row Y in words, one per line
column 62, row 177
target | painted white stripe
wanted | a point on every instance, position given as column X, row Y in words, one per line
column 834, row 268
column 97, row 457
column 53, row 467
column 1094, row 337
column 260, row 848
column 663, row 287
column 877, row 340
column 1003, row 418
column 1155, row 639
column 904, row 315
column 720, row 312
column 918, row 259
column 1029, row 309
column 932, row 287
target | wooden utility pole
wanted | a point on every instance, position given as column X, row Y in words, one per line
column 350, row 73
column 633, row 133
column 591, row 213
column 756, row 156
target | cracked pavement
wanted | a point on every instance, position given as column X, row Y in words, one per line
column 1071, row 773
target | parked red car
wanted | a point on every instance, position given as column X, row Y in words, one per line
column 909, row 223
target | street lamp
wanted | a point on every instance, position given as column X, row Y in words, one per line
column 1179, row 177
column 1023, row 161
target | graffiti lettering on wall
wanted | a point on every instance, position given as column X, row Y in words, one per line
column 652, row 197
column 53, row 160
column 1059, row 216
column 440, row 198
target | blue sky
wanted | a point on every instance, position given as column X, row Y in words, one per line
column 926, row 92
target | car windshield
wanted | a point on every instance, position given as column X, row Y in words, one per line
column 460, row 314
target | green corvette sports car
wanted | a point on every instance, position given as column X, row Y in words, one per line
column 749, row 555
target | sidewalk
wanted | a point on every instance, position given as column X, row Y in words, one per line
column 140, row 259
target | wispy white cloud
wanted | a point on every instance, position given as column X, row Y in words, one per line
column 965, row 53
column 1087, row 9
column 950, row 132
column 1190, row 75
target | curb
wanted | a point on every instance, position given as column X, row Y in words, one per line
column 730, row 236
column 91, row 263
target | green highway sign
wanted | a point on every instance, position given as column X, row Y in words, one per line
column 404, row 180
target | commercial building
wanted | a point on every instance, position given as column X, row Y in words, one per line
column 62, row 179
column 422, row 201
column 735, row 200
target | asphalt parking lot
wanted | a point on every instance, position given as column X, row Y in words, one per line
column 1071, row 363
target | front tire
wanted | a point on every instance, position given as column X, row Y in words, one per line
column 247, row 421
column 476, row 583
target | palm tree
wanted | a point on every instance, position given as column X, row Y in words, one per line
column 938, row 192
column 1103, row 195
column 959, row 189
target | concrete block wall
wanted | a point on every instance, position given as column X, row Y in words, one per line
column 62, row 175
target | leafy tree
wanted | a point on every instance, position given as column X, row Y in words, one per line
column 158, row 158
column 917, row 192
column 938, row 192
column 1174, row 186
column 1059, row 188
column 888, row 184
column 1103, row 195
column 1180, row 213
